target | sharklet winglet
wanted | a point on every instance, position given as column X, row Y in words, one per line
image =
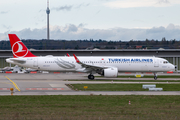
column 77, row 60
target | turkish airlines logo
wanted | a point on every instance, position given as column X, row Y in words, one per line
column 19, row 49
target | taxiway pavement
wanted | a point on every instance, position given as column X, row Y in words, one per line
column 54, row 84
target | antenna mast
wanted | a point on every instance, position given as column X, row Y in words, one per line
column 48, row 12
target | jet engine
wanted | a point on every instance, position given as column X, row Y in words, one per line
column 110, row 72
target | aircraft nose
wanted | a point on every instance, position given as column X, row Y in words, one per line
column 173, row 67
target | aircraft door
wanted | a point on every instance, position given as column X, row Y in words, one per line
column 156, row 62
column 103, row 62
column 35, row 63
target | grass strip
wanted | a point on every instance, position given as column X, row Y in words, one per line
column 149, row 76
column 90, row 107
column 122, row 87
column 110, row 80
column 146, row 76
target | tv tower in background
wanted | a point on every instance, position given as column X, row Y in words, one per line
column 48, row 12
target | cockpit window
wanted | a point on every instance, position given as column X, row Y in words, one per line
column 165, row 62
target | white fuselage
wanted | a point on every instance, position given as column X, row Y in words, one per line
column 69, row 64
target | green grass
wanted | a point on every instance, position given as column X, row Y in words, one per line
column 151, row 76
column 110, row 80
column 123, row 87
column 148, row 76
column 169, row 87
column 90, row 107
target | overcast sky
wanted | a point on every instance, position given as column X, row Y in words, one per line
column 91, row 19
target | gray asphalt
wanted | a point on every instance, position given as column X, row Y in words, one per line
column 54, row 84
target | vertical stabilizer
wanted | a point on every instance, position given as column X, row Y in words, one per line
column 18, row 48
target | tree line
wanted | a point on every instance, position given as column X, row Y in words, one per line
column 91, row 44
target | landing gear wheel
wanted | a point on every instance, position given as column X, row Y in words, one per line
column 155, row 76
column 91, row 77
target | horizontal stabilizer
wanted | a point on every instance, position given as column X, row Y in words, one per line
column 19, row 60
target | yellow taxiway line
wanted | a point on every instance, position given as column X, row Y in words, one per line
column 13, row 83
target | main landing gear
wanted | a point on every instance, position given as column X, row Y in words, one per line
column 155, row 76
column 91, row 77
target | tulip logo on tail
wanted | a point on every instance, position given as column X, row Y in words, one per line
column 18, row 49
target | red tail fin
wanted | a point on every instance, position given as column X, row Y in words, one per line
column 18, row 48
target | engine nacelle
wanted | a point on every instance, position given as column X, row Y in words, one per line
column 110, row 72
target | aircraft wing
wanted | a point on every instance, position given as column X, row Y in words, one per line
column 92, row 67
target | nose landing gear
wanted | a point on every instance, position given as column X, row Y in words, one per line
column 155, row 76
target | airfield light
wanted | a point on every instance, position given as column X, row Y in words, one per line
column 11, row 89
column 85, row 87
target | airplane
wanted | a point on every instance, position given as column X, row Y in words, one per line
column 106, row 66
column 3, row 70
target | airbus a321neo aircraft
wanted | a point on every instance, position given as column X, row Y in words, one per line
column 106, row 66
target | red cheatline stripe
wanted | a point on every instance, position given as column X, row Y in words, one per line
column 4, row 88
column 44, row 88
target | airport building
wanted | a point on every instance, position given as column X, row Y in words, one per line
column 172, row 55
